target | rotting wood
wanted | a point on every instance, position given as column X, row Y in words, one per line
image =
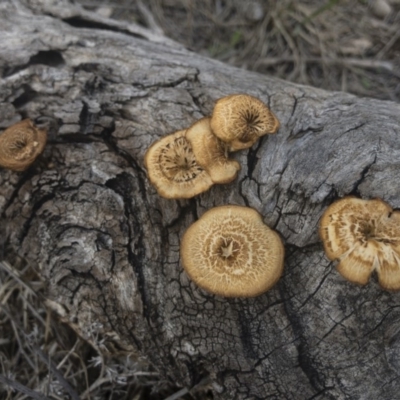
column 108, row 245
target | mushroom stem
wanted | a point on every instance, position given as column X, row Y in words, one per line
column 211, row 153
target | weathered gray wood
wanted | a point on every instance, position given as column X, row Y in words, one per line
column 108, row 246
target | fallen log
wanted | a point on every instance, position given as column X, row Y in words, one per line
column 86, row 216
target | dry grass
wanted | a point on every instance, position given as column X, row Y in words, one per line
column 339, row 45
column 42, row 358
column 335, row 45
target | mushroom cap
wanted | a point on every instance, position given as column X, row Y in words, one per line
column 20, row 145
column 210, row 152
column 241, row 119
column 389, row 253
column 364, row 235
column 230, row 252
column 173, row 170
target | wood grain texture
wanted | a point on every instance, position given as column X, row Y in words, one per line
column 86, row 215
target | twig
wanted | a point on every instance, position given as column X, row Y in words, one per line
column 292, row 45
column 178, row 394
column 388, row 45
column 56, row 372
column 35, row 313
column 106, row 379
column 61, row 363
column 355, row 62
column 344, row 80
column 16, row 326
column 22, row 389
column 21, row 347
column 8, row 268
column 319, row 10
column 149, row 18
column 98, row 382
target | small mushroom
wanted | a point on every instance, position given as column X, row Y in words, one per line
column 211, row 152
column 230, row 252
column 20, row 145
column 241, row 120
column 389, row 253
column 364, row 235
column 173, row 170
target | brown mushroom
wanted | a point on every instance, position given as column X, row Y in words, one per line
column 173, row 170
column 20, row 145
column 230, row 252
column 364, row 235
column 241, row 119
column 211, row 152
column 389, row 252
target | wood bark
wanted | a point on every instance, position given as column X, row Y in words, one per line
column 108, row 246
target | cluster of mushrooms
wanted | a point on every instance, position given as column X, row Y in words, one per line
column 188, row 162
column 229, row 251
